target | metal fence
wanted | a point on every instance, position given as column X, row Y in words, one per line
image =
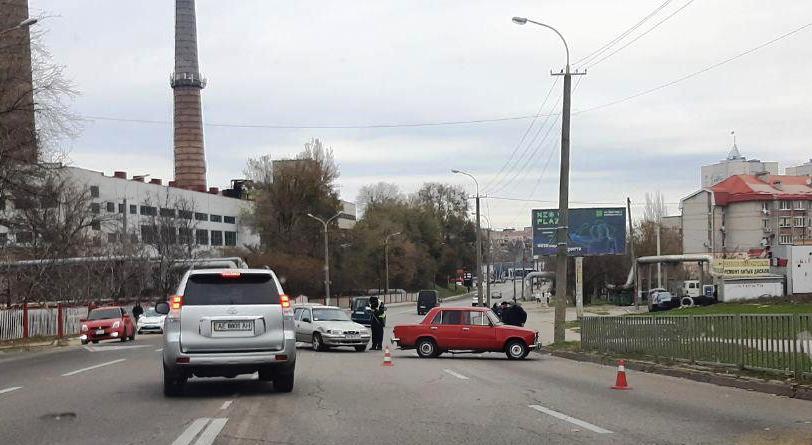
column 780, row 343
column 26, row 322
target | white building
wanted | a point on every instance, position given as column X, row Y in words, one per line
column 348, row 215
column 735, row 164
column 800, row 170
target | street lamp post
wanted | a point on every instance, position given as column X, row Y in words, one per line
column 478, row 239
column 386, row 259
column 326, row 255
column 24, row 24
column 563, row 191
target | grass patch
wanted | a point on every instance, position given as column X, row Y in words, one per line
column 737, row 308
column 574, row 325
column 574, row 346
column 446, row 292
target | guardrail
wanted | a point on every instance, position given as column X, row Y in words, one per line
column 25, row 322
column 775, row 343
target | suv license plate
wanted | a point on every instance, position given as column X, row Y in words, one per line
column 232, row 325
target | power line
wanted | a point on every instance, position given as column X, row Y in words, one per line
column 656, row 25
column 607, row 45
column 619, row 204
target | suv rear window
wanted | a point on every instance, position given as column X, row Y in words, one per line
column 216, row 289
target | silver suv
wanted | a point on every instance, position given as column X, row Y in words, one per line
column 225, row 322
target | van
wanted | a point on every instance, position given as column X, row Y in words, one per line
column 427, row 299
column 691, row 288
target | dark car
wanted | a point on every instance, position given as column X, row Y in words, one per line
column 359, row 314
column 427, row 299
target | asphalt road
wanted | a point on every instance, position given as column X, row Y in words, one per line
column 109, row 395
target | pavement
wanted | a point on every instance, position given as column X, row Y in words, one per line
column 111, row 393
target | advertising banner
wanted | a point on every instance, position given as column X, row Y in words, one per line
column 742, row 268
column 592, row 231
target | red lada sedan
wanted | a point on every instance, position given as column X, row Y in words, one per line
column 107, row 323
column 466, row 329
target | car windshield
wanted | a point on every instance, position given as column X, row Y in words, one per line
column 329, row 315
column 230, row 289
column 150, row 313
column 104, row 314
column 493, row 318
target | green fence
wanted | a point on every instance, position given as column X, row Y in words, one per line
column 774, row 343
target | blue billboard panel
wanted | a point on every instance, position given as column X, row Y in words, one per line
column 593, row 231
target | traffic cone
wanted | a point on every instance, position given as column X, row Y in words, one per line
column 387, row 358
column 620, row 381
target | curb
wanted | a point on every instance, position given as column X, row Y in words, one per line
column 791, row 390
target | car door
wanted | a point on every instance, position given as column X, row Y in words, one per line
column 306, row 325
column 446, row 328
column 477, row 332
column 297, row 318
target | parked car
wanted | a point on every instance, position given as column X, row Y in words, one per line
column 462, row 329
column 226, row 322
column 150, row 321
column 427, row 299
column 328, row 326
column 358, row 312
column 662, row 301
column 107, row 323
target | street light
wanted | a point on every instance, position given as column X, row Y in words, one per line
column 478, row 239
column 326, row 255
column 386, row 258
column 24, row 24
column 563, row 191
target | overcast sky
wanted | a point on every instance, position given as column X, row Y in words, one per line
column 411, row 61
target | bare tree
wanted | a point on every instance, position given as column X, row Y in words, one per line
column 260, row 171
column 380, row 193
column 655, row 208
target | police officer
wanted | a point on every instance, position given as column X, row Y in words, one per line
column 378, row 321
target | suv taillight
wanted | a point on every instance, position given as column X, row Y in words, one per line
column 175, row 302
column 284, row 300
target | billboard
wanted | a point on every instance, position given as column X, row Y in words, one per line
column 742, row 268
column 592, row 231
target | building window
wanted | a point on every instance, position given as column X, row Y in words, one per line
column 168, row 235
column 25, row 237
column 800, row 205
column 231, row 238
column 765, row 207
column 111, row 207
column 216, row 238
column 133, row 209
column 149, row 210
column 799, row 221
column 229, row 220
column 148, row 234
column 95, row 208
column 167, row 213
column 112, row 237
column 783, row 222
column 185, row 235
column 786, row 205
column 216, row 218
column 121, row 208
column 785, row 239
column 765, row 223
column 202, row 237
column 3, row 239
column 201, row 216
column 185, row 214
column 95, row 225
column 94, row 191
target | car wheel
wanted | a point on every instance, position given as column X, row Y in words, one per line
column 426, row 348
column 140, row 332
column 317, row 343
column 173, row 386
column 516, row 350
column 283, row 382
column 361, row 348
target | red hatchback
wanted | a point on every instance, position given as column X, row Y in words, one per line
column 107, row 323
column 465, row 329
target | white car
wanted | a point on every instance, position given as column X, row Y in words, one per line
column 150, row 321
column 328, row 326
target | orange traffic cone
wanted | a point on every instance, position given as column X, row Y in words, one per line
column 620, row 381
column 387, row 358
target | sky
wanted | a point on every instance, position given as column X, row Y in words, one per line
column 371, row 62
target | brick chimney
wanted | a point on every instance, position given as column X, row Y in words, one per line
column 17, row 129
column 186, row 82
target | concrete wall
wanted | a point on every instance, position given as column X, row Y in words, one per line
column 695, row 234
column 743, row 227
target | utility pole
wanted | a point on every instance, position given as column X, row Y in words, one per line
column 386, row 259
column 326, row 255
column 478, row 239
column 488, row 269
column 635, row 276
column 659, row 266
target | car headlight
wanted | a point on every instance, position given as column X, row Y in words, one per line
column 116, row 325
column 84, row 328
column 335, row 332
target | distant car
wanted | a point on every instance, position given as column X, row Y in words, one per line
column 328, row 326
column 662, row 301
column 358, row 312
column 107, row 323
column 426, row 300
column 465, row 329
column 227, row 322
column 150, row 321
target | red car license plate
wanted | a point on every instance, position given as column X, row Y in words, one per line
column 99, row 331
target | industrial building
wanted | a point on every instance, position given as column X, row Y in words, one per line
column 735, row 164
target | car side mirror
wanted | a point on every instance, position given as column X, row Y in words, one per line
column 306, row 320
column 162, row 308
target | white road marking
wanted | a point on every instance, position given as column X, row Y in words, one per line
column 13, row 388
column 112, row 348
column 456, row 374
column 226, row 404
column 569, row 419
column 186, row 437
column 68, row 374
column 211, row 431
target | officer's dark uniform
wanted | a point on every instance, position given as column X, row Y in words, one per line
column 377, row 323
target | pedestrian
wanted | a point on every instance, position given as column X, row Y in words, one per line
column 496, row 309
column 504, row 313
column 137, row 310
column 377, row 321
column 518, row 315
